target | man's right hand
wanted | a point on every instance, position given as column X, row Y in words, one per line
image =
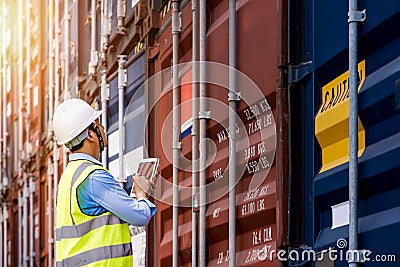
column 142, row 186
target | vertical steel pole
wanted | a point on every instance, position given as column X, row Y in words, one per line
column 66, row 67
column 93, row 49
column 55, row 184
column 232, row 132
column 3, row 167
column 175, row 130
column 25, row 221
column 29, row 181
column 28, row 77
column 5, row 253
column 20, row 127
column 2, row 88
column 57, row 53
column 1, row 231
column 121, row 86
column 104, row 99
column 50, row 130
column 31, row 221
column 19, row 228
column 49, row 211
column 105, row 30
column 56, row 99
column 20, row 86
column 202, row 134
column 51, row 67
column 121, row 12
column 353, row 128
column 195, row 138
column 105, row 33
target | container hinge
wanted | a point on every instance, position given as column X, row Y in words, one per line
column 234, row 96
column 297, row 73
column 205, row 115
column 177, row 145
column 357, row 16
column 195, row 202
column 357, row 255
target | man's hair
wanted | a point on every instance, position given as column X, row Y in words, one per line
column 77, row 147
column 80, row 145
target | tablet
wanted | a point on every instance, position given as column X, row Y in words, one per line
column 148, row 168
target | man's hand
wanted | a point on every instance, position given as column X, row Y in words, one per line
column 142, row 186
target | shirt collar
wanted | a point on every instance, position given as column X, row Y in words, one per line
column 80, row 156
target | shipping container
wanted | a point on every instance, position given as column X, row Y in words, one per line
column 319, row 52
column 292, row 115
column 261, row 209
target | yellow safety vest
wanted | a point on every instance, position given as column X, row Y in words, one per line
column 83, row 240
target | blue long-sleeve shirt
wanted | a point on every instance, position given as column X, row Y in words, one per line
column 100, row 192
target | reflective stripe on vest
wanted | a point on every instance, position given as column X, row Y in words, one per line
column 80, row 230
column 97, row 254
column 83, row 240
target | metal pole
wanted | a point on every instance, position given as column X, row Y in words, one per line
column 105, row 30
column 51, row 68
column 20, row 131
column 56, row 99
column 93, row 50
column 195, row 137
column 1, row 233
column 29, row 255
column 4, row 123
column 31, row 221
column 20, row 87
column 50, row 131
column 28, row 183
column 49, row 211
column 105, row 33
column 2, row 104
column 5, row 252
column 3, row 167
column 66, row 67
column 19, row 228
column 28, row 79
column 104, row 99
column 232, row 98
column 25, row 221
column 6, row 83
column 55, row 184
column 121, row 11
column 2, row 88
column 354, row 17
column 175, row 130
column 57, row 53
column 202, row 136
column 121, row 85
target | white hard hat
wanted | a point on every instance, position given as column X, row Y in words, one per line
column 71, row 118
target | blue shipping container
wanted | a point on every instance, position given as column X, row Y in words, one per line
column 322, row 129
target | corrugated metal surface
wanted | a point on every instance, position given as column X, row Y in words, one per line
column 326, row 42
column 261, row 221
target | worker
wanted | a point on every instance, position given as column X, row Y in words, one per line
column 93, row 210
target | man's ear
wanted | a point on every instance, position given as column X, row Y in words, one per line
column 91, row 136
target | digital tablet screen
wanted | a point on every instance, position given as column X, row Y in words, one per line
column 148, row 168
